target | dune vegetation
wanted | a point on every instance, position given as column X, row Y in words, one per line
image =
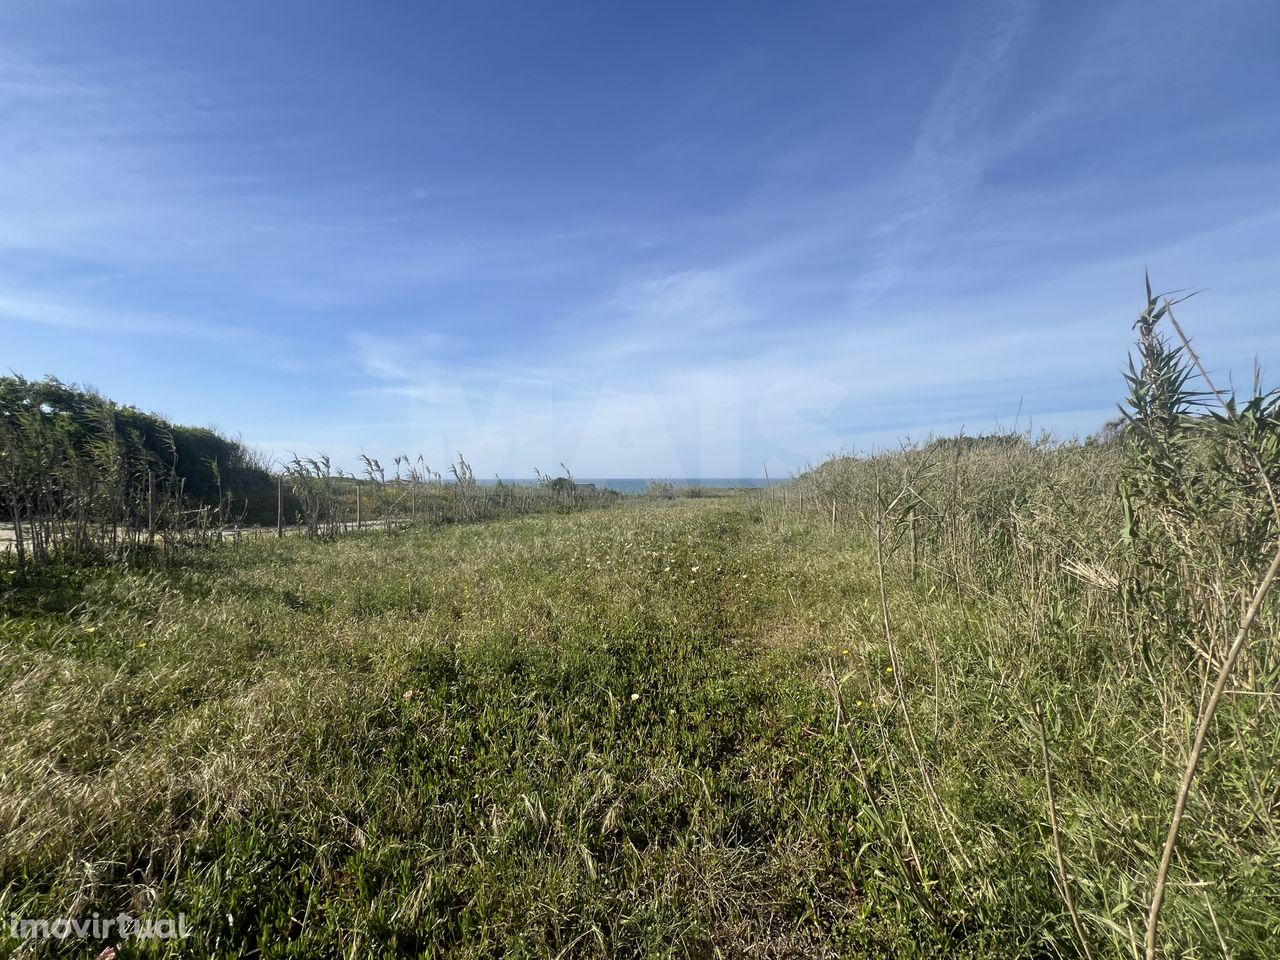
column 996, row 696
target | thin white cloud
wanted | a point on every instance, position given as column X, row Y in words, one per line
column 684, row 342
column 950, row 151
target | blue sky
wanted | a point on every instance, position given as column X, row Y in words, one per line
column 681, row 239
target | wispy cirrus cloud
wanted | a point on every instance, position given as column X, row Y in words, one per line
column 928, row 222
column 951, row 149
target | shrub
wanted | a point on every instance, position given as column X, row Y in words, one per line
column 660, row 490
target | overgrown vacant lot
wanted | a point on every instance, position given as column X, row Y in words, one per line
column 662, row 729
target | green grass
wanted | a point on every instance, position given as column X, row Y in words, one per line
column 525, row 737
column 612, row 734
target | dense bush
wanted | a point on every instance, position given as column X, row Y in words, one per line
column 1083, row 608
column 79, row 473
column 660, row 490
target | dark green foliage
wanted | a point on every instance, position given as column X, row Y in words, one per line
column 82, row 416
column 82, row 475
column 1198, row 490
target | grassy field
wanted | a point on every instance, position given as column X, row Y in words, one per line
column 986, row 697
column 590, row 734
column 668, row 728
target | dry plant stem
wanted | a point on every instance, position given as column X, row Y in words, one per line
column 920, row 884
column 1067, row 895
column 901, row 694
column 913, row 859
column 839, row 698
column 1202, row 731
column 1222, row 941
